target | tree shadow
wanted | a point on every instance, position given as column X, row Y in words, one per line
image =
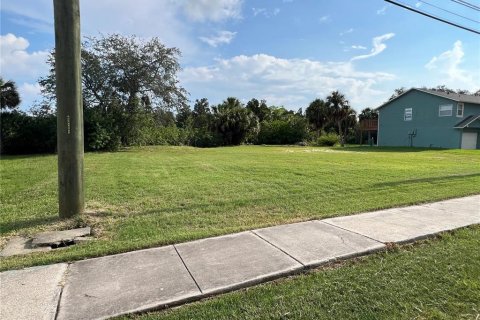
column 8, row 157
column 386, row 149
column 429, row 180
column 6, row 227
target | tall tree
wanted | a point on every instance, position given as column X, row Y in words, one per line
column 9, row 96
column 317, row 115
column 259, row 108
column 339, row 110
column 234, row 122
column 137, row 73
column 202, row 116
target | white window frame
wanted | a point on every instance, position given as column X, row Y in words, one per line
column 449, row 108
column 460, row 106
column 408, row 114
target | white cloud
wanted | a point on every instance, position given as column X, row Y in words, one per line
column 29, row 93
column 382, row 11
column 346, row 31
column 172, row 21
column 418, row 4
column 290, row 82
column 324, row 19
column 447, row 66
column 358, row 47
column 378, row 46
column 257, row 11
column 213, row 10
column 265, row 12
column 222, row 37
column 16, row 62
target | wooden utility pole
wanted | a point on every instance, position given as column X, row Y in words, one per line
column 69, row 107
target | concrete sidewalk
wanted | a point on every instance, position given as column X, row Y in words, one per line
column 142, row 280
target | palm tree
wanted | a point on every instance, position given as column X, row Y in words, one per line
column 317, row 115
column 339, row 110
column 9, row 96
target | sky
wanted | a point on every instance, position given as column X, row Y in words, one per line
column 288, row 52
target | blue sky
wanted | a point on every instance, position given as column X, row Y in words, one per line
column 288, row 52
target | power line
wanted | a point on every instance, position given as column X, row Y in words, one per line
column 467, row 4
column 458, row 15
column 433, row 17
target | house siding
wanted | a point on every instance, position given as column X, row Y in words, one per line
column 431, row 129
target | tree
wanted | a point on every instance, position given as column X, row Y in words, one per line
column 202, row 116
column 183, row 118
column 130, row 83
column 397, row 92
column 9, row 96
column 317, row 115
column 136, row 73
column 234, row 122
column 339, row 110
column 259, row 108
column 368, row 114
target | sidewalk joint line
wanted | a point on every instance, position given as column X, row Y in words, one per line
column 276, row 247
column 188, row 270
column 62, row 284
column 351, row 231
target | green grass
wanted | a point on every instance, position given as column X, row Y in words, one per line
column 154, row 196
column 436, row 279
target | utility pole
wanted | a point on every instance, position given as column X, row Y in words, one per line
column 69, row 107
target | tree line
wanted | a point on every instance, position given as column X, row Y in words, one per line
column 132, row 97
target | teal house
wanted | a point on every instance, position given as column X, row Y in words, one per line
column 428, row 118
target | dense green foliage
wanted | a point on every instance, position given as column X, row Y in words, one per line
column 150, row 196
column 436, row 279
column 328, row 140
column 131, row 97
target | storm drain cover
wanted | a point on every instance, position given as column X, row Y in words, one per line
column 45, row 241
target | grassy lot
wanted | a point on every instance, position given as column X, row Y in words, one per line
column 159, row 195
column 436, row 279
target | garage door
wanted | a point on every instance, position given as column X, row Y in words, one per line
column 469, row 140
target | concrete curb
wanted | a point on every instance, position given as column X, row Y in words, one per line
column 169, row 276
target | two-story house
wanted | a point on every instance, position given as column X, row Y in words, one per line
column 427, row 118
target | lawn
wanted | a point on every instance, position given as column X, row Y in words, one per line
column 152, row 196
column 435, row 279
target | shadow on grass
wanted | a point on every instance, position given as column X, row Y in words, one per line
column 6, row 227
column 429, row 180
column 25, row 156
column 386, row 149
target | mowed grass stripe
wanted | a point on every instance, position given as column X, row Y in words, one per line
column 152, row 196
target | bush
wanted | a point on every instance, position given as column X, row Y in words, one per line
column 288, row 131
column 204, row 138
column 24, row 134
column 328, row 140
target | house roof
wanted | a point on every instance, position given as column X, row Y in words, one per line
column 467, row 121
column 466, row 98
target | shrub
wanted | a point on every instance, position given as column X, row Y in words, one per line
column 328, row 140
column 289, row 131
column 24, row 134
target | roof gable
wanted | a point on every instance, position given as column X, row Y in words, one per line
column 465, row 98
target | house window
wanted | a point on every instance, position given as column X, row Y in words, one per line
column 445, row 110
column 407, row 116
column 460, row 109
